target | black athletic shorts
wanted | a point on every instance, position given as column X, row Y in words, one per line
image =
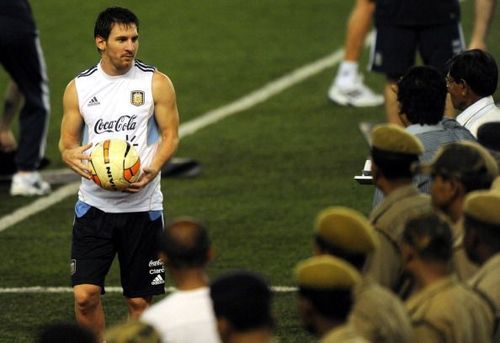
column 396, row 47
column 99, row 236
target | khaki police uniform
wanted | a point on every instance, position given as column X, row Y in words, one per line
column 394, row 143
column 461, row 265
column 378, row 315
column 484, row 206
column 389, row 219
column 328, row 273
column 448, row 311
column 487, row 283
column 343, row 334
column 453, row 160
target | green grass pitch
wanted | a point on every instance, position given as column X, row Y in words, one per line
column 266, row 171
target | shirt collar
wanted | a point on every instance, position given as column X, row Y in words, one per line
column 416, row 129
column 473, row 109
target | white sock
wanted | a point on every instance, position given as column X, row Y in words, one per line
column 346, row 74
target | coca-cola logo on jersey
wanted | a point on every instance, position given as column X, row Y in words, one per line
column 123, row 123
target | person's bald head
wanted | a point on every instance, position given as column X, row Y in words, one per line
column 185, row 243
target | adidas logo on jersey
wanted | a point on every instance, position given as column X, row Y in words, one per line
column 158, row 280
column 93, row 102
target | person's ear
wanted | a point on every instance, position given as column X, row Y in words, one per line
column 317, row 251
column 456, row 188
column 408, row 253
column 464, row 87
column 100, row 43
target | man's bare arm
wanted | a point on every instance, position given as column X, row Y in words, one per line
column 483, row 16
column 69, row 143
column 167, row 119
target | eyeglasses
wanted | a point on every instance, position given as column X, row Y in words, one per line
column 449, row 79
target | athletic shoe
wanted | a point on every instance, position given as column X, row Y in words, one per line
column 359, row 95
column 29, row 184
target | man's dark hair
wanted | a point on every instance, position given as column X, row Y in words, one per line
column 488, row 135
column 478, row 69
column 113, row 15
column 334, row 304
column 422, row 95
column 430, row 235
column 244, row 299
column 356, row 259
column 186, row 243
column 392, row 165
column 60, row 332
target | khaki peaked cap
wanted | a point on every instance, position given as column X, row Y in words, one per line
column 131, row 332
column 454, row 159
column 483, row 206
column 326, row 272
column 346, row 229
column 395, row 139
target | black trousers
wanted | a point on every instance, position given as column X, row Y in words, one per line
column 22, row 57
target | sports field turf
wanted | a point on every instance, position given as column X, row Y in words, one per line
column 266, row 171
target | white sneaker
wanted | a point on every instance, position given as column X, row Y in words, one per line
column 29, row 184
column 359, row 95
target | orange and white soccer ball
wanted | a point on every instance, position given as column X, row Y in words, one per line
column 114, row 164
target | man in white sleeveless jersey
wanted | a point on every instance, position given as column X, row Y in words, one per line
column 123, row 98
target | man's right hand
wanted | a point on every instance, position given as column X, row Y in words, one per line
column 77, row 160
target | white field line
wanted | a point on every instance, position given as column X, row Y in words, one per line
column 38, row 205
column 60, row 290
column 256, row 97
column 262, row 94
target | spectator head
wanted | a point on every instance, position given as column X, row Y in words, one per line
column 488, row 136
column 62, row 332
column 472, row 74
column 185, row 244
column 345, row 233
column 422, row 96
column 427, row 238
column 325, row 292
column 457, row 169
column 482, row 225
column 242, row 304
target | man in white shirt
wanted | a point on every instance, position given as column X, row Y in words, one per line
column 185, row 316
column 119, row 98
column 472, row 80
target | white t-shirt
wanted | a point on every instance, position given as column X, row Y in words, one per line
column 184, row 317
column 120, row 107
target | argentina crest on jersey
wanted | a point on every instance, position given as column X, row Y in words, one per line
column 137, row 98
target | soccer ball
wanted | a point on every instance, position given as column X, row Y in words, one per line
column 114, row 164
